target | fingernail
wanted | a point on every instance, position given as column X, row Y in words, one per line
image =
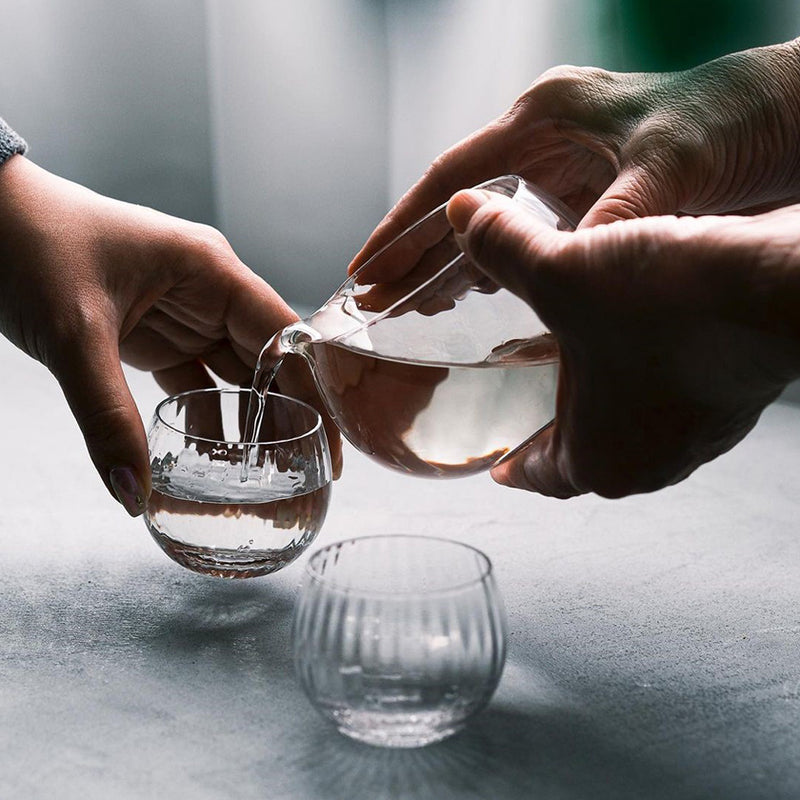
column 126, row 488
column 462, row 206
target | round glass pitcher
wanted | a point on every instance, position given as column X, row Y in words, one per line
column 425, row 363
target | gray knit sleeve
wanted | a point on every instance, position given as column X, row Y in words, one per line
column 10, row 142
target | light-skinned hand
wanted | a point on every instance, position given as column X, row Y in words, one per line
column 86, row 281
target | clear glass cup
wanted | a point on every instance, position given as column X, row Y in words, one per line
column 399, row 640
column 203, row 515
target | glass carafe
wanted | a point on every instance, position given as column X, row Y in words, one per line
column 424, row 363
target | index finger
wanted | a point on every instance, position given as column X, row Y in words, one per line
column 481, row 156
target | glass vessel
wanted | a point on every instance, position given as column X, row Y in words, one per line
column 424, row 362
column 399, row 640
column 203, row 515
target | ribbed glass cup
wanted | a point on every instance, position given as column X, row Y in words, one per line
column 399, row 640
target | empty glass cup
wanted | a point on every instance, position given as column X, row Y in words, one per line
column 203, row 515
column 399, row 640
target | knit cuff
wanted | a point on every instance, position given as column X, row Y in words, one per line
column 10, row 142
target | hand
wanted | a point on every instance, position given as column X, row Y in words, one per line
column 722, row 137
column 675, row 333
column 86, row 280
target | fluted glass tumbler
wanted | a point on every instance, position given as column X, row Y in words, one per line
column 400, row 639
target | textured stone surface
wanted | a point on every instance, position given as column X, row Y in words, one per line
column 653, row 648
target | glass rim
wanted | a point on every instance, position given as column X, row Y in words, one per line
column 487, row 568
column 224, row 390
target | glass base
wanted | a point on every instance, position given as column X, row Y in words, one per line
column 406, row 740
column 397, row 730
column 225, row 563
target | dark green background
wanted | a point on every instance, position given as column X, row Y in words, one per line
column 656, row 35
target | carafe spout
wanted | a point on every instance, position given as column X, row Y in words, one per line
column 291, row 339
column 294, row 337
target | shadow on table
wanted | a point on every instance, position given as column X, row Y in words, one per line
column 92, row 641
column 241, row 621
column 504, row 753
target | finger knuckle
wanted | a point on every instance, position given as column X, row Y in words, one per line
column 566, row 76
column 605, row 480
column 210, row 239
column 613, row 476
column 558, row 89
column 436, row 174
column 200, row 243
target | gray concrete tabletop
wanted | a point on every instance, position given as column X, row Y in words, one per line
column 654, row 641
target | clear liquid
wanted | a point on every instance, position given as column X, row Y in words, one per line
column 241, row 536
column 438, row 420
column 269, row 362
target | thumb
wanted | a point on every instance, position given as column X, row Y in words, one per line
column 94, row 385
column 635, row 193
column 539, row 467
column 502, row 238
column 510, row 244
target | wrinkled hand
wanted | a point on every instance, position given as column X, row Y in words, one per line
column 675, row 333
column 722, row 137
column 86, row 280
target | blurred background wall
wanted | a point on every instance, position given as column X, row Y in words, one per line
column 299, row 103
column 113, row 95
column 294, row 126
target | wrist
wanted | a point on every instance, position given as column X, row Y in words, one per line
column 777, row 112
column 16, row 192
column 748, row 102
